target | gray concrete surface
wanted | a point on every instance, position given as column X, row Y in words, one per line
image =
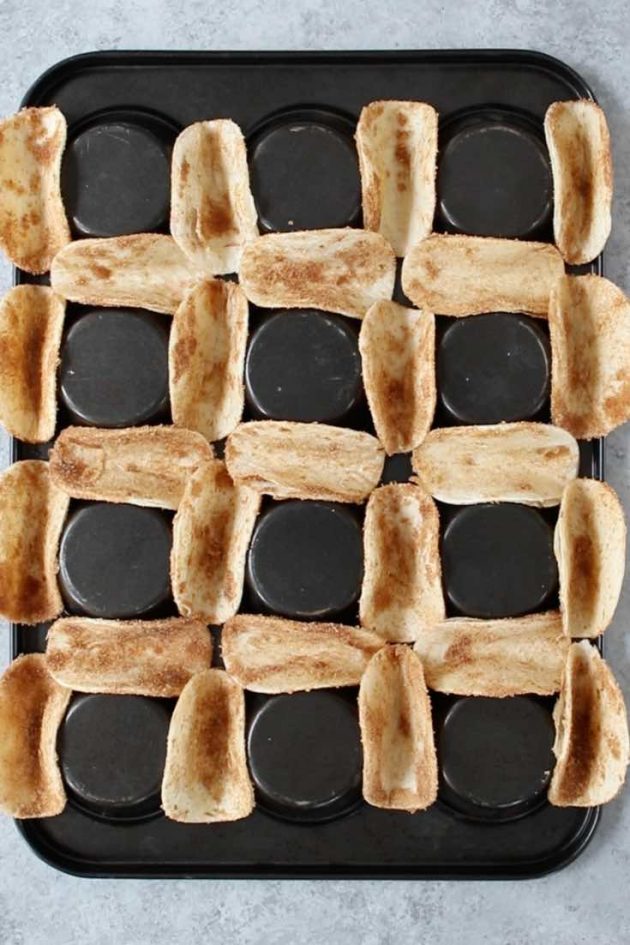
column 588, row 902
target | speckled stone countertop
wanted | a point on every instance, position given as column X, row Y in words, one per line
column 586, row 903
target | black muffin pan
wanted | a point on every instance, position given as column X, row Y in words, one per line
column 298, row 113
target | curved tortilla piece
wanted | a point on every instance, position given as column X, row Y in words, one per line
column 591, row 744
column 32, row 513
column 589, row 325
column 140, row 465
column 581, row 164
column 401, row 593
column 33, row 224
column 205, row 776
column 522, row 462
column 206, row 357
column 211, row 534
column 344, row 270
column 397, row 148
column 397, row 347
column 271, row 654
column 499, row 658
column 32, row 706
column 143, row 270
column 470, row 275
column 31, row 323
column 128, row 657
column 212, row 210
column 399, row 760
column 304, row 460
column 590, row 547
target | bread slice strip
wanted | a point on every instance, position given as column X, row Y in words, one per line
column 401, row 593
column 581, row 165
column 591, row 746
column 397, row 148
column 590, row 547
column 32, row 513
column 32, row 706
column 212, row 210
column 469, row 275
column 31, row 322
column 140, row 465
column 399, row 760
column 522, row 462
column 271, row 654
column 206, row 356
column 205, row 777
column 304, row 460
column 143, row 270
column 499, row 658
column 211, row 534
column 397, row 347
column 33, row 225
column 589, row 325
column 128, row 657
column 342, row 270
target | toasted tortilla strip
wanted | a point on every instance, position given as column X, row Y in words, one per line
column 129, row 657
column 469, row 275
column 32, row 513
column 397, row 148
column 211, row 534
column 342, row 270
column 271, row 654
column 31, row 322
column 32, row 706
column 397, row 347
column 581, row 165
column 590, row 547
column 212, row 210
column 589, row 324
column 499, row 658
column 522, row 462
column 401, row 593
column 205, row 777
column 591, row 744
column 140, row 465
column 304, row 460
column 33, row 225
column 206, row 356
column 143, row 270
column 399, row 760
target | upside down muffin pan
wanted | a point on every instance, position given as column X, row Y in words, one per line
column 305, row 561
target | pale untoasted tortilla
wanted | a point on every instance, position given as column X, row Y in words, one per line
column 143, row 270
column 590, row 547
column 399, row 760
column 469, row 275
column 589, row 325
column 31, row 323
column 304, row 460
column 591, row 745
column 581, row 163
column 344, row 270
column 206, row 356
column 522, row 462
column 397, row 347
column 205, row 777
column 212, row 210
column 211, row 534
column 401, row 592
column 397, row 148
column 33, row 225
column 140, row 465
column 32, row 513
